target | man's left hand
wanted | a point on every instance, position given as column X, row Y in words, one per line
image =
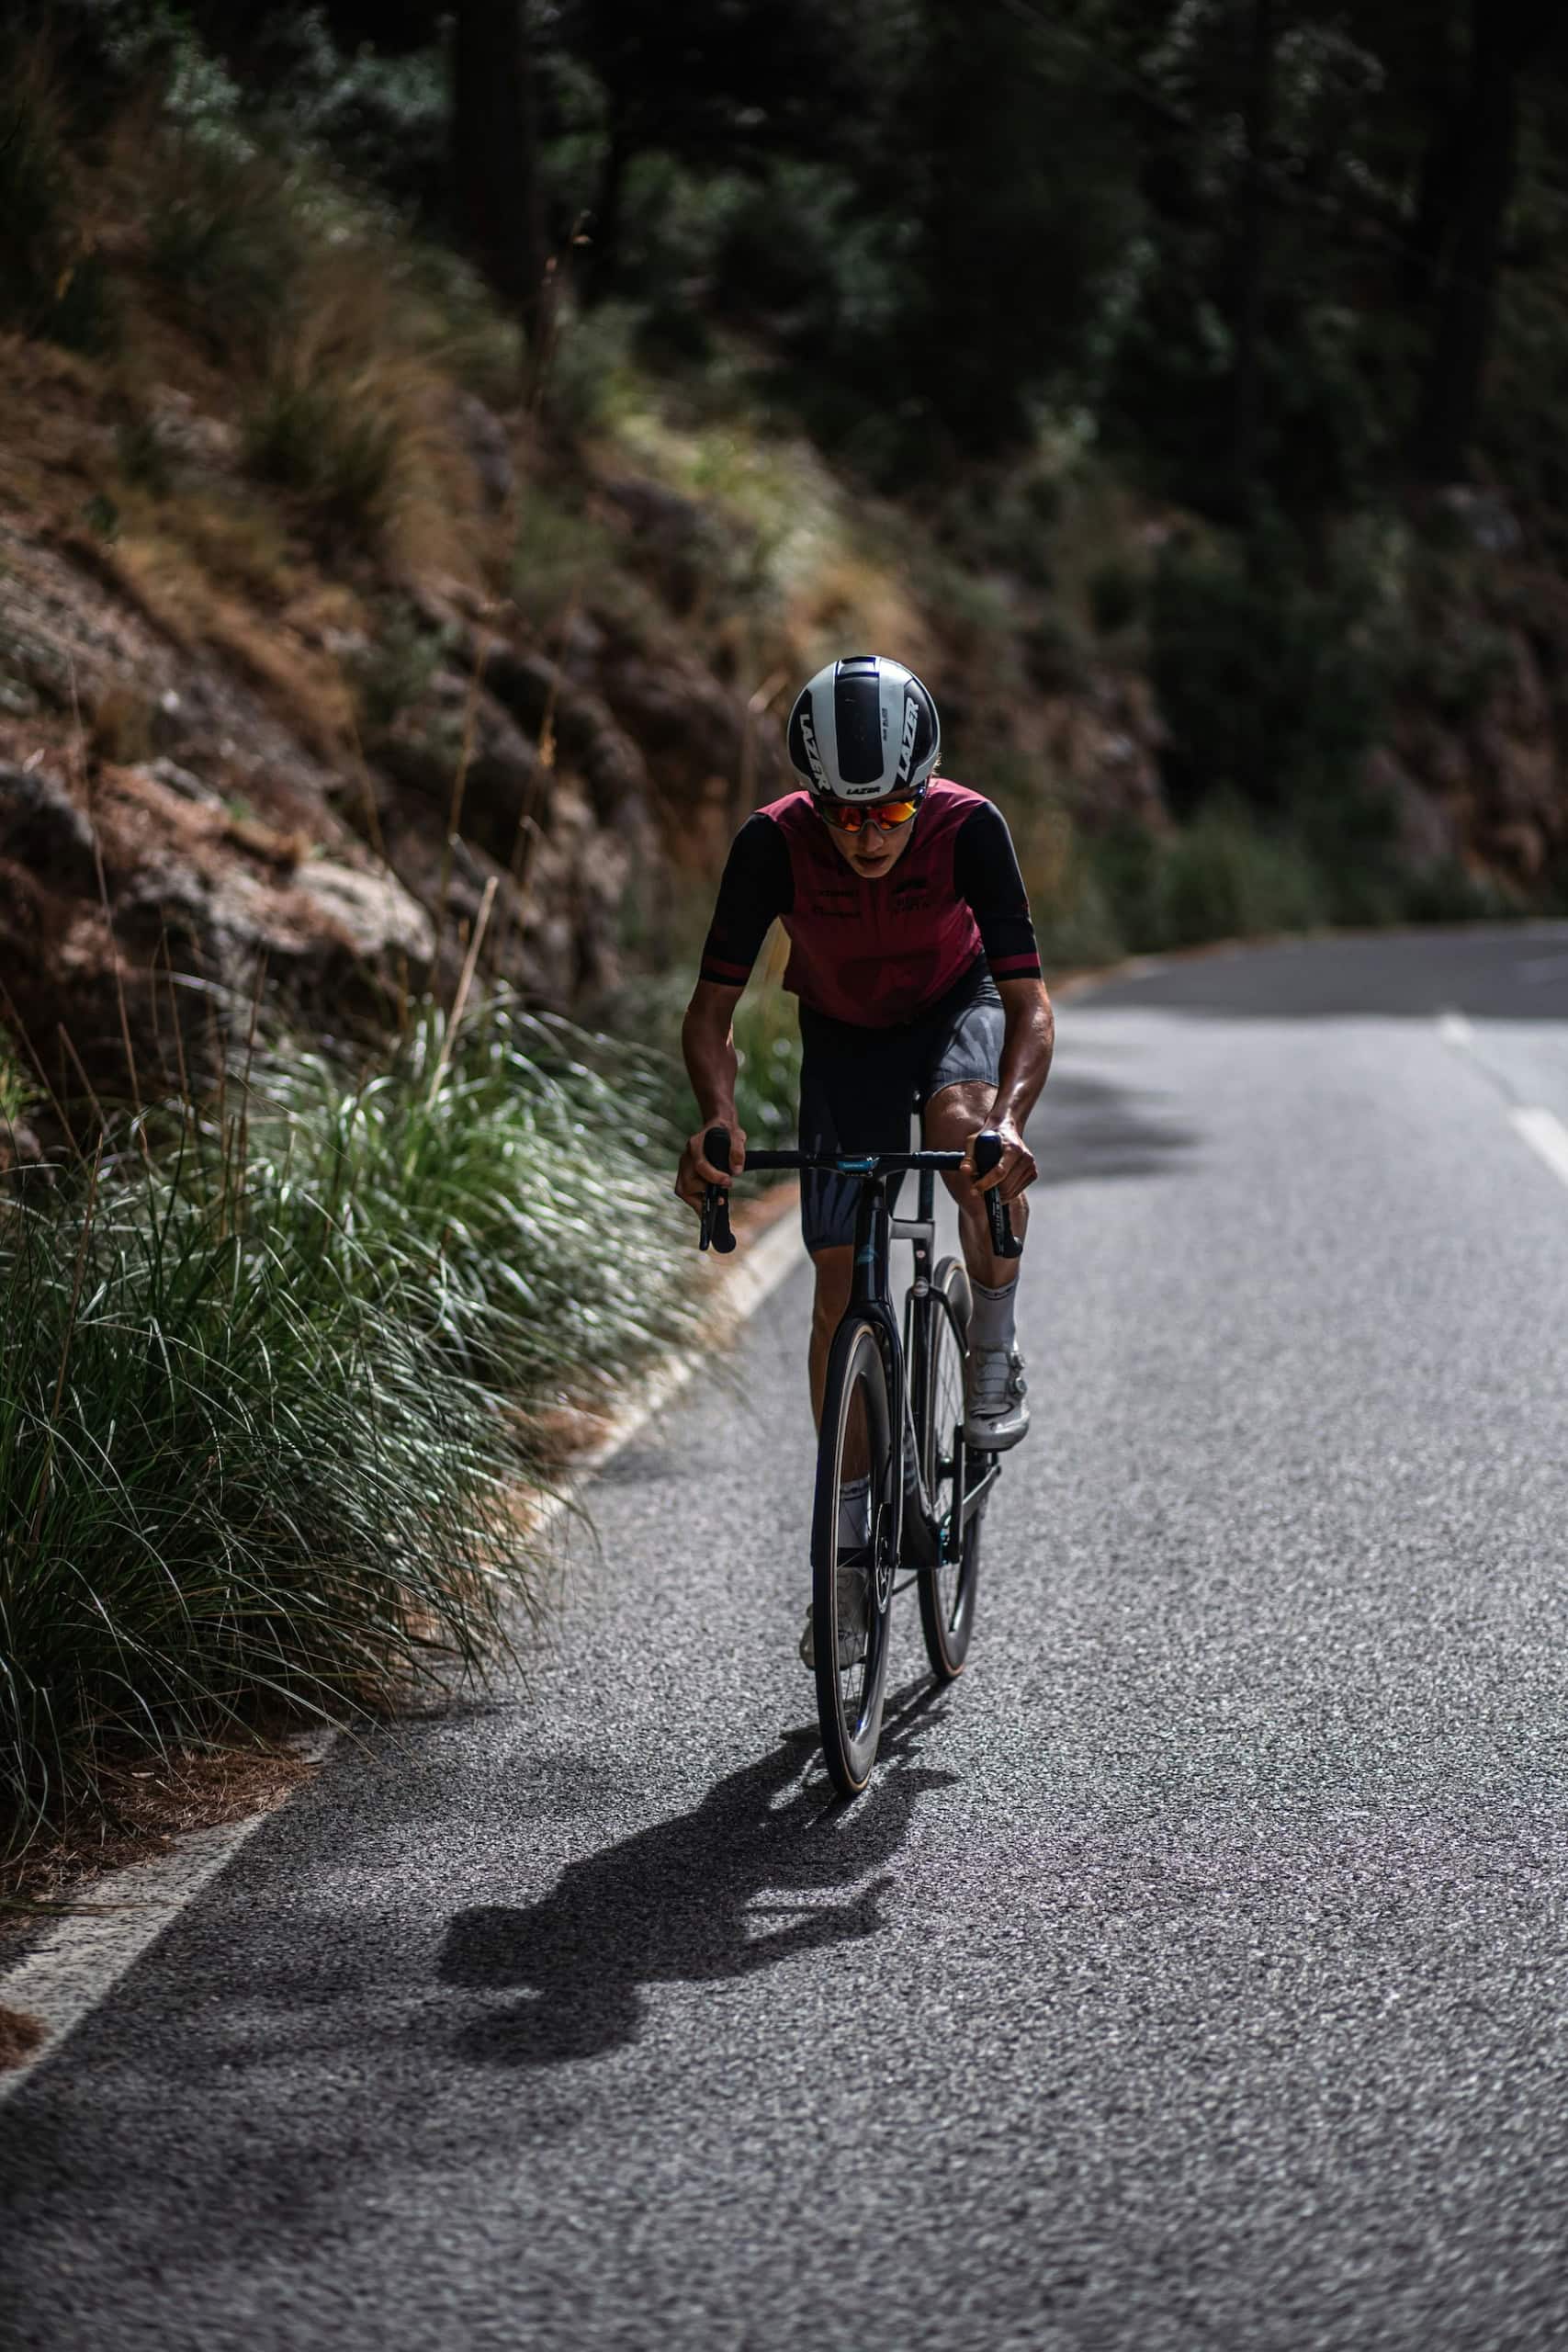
column 1013, row 1174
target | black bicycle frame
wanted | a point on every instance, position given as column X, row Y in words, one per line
column 876, row 1229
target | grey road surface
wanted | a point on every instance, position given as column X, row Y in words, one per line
column 1194, row 1976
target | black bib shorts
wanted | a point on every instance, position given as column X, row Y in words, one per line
column 860, row 1087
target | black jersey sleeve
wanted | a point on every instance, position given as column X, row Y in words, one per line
column 985, row 871
column 757, row 885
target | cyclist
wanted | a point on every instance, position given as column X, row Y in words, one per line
column 913, row 955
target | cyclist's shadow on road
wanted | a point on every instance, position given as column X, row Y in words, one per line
column 686, row 1901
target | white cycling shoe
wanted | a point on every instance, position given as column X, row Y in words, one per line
column 996, row 1414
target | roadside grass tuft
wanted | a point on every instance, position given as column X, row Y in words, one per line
column 271, row 1378
column 330, row 440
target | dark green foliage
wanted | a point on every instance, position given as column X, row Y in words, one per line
column 1115, row 597
column 1270, row 672
column 53, row 279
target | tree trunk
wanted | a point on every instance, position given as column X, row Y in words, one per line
column 604, row 228
column 1481, row 163
column 494, row 146
column 1244, row 393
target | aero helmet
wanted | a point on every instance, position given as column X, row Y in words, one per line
column 864, row 730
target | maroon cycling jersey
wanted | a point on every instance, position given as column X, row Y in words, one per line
column 875, row 952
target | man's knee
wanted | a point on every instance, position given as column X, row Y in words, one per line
column 952, row 1116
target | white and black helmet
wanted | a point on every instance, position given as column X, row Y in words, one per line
column 864, row 730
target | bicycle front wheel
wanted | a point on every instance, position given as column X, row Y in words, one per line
column 948, row 1586
column 853, row 1554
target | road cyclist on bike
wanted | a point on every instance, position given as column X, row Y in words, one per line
column 913, row 955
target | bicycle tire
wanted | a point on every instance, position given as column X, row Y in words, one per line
column 947, row 1587
column 850, row 1697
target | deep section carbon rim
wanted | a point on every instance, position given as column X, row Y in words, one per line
column 948, row 1587
column 853, row 1555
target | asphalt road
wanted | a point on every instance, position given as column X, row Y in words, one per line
column 1194, row 1976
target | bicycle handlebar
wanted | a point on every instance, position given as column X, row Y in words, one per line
column 716, row 1204
column 1005, row 1242
column 715, row 1233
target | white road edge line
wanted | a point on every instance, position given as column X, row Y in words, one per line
column 77, row 1964
column 1546, row 1135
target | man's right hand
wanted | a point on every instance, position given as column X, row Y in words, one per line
column 696, row 1172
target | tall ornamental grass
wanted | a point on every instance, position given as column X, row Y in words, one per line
column 269, row 1381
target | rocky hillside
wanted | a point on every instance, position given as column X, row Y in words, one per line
column 246, row 743
column 329, row 659
column 225, row 755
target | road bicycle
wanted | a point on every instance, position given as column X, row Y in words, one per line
column 893, row 1413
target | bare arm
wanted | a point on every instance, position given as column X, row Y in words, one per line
column 707, row 1042
column 1027, row 1045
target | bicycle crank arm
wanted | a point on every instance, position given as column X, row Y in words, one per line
column 975, row 1496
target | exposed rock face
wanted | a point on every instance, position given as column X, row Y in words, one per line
column 124, row 895
column 243, row 824
column 1104, row 743
column 1485, row 743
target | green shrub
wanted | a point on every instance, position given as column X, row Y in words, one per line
column 1129, row 890
column 1225, row 878
column 1449, row 892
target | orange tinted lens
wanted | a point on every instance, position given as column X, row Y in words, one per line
column 886, row 814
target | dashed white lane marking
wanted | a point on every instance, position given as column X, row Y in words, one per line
column 1546, row 1135
column 78, row 1964
column 1541, row 1129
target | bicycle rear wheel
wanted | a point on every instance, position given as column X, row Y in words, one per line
column 851, row 1583
column 948, row 1586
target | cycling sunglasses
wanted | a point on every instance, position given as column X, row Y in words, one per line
column 887, row 815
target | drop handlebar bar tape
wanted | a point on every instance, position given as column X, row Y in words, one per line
column 716, row 1204
column 1005, row 1242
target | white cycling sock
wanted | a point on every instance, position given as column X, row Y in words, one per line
column 854, row 1511
column 991, row 1323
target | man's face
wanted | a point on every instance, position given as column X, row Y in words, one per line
column 871, row 852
